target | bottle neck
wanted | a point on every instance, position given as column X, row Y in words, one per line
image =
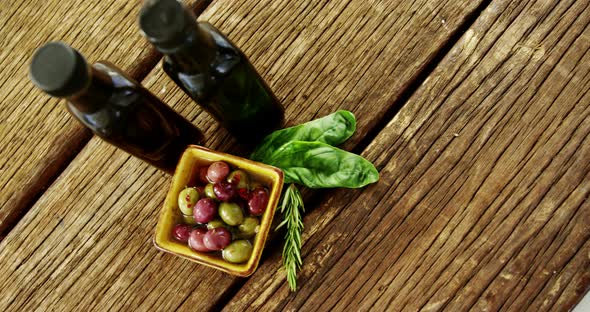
column 197, row 52
column 96, row 94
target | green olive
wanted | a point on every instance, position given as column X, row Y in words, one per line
column 249, row 227
column 216, row 224
column 209, row 191
column 255, row 184
column 187, row 199
column 238, row 251
column 242, row 178
column 190, row 220
column 231, row 213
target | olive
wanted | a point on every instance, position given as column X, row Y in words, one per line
column 231, row 213
column 249, row 227
column 187, row 200
column 196, row 176
column 208, row 191
column 203, row 175
column 239, row 178
column 224, row 191
column 258, row 201
column 195, row 240
column 201, row 190
column 216, row 224
column 217, row 239
column 181, row 232
column 238, row 251
column 255, row 185
column 217, row 171
column 189, row 219
column 244, row 194
column 205, row 210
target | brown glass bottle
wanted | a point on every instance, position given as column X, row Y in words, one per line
column 212, row 70
column 114, row 106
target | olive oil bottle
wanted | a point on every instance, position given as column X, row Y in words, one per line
column 211, row 70
column 114, row 106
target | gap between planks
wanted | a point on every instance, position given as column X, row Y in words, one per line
column 314, row 198
column 139, row 72
column 390, row 99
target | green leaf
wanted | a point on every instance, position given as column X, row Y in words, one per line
column 319, row 165
column 332, row 129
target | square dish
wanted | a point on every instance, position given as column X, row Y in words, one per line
column 192, row 159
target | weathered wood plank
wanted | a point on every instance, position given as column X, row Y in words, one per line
column 483, row 200
column 38, row 137
column 87, row 242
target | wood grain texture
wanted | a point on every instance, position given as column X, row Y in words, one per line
column 322, row 55
column 38, row 136
column 87, row 242
column 483, row 202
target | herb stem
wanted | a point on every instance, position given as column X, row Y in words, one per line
column 291, row 208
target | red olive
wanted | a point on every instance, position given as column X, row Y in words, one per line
column 258, row 201
column 224, row 191
column 217, row 171
column 195, row 240
column 244, row 194
column 181, row 232
column 203, row 175
column 217, row 238
column 205, row 210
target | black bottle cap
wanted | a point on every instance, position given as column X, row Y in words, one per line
column 165, row 23
column 58, row 69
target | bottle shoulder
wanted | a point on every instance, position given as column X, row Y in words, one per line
column 206, row 52
column 227, row 55
column 221, row 41
column 118, row 77
column 113, row 98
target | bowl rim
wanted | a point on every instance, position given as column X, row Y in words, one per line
column 163, row 240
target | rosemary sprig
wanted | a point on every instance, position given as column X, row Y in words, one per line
column 291, row 208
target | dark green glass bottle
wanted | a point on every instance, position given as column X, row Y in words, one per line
column 114, row 106
column 211, row 70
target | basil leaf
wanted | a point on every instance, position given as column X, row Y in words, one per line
column 319, row 165
column 332, row 129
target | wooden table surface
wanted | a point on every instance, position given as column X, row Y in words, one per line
column 476, row 113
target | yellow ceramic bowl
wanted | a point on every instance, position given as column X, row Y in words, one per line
column 193, row 158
